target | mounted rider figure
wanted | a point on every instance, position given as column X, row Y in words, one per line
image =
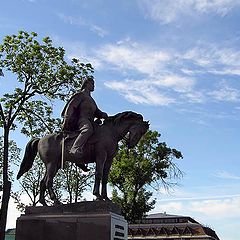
column 78, row 115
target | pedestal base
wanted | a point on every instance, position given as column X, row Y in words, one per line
column 80, row 221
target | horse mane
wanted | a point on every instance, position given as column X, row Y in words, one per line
column 127, row 115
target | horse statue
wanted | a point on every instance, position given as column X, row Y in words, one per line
column 100, row 148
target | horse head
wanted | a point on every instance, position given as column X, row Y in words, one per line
column 136, row 131
column 135, row 126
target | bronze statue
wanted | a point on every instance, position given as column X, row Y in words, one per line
column 100, row 148
column 79, row 114
column 83, row 141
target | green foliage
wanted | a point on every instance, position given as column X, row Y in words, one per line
column 41, row 65
column 30, row 185
column 40, row 69
column 37, row 120
column 14, row 153
column 134, row 205
column 150, row 163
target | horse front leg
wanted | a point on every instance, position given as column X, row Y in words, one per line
column 106, row 171
column 96, row 187
column 100, row 160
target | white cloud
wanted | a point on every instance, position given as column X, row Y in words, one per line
column 199, row 193
column 164, row 76
column 133, row 56
column 228, row 207
column 226, row 175
column 226, row 71
column 127, row 56
column 195, row 197
column 171, row 208
column 140, row 92
column 170, row 71
column 199, row 56
column 194, row 96
column 214, row 59
column 163, row 91
column 221, row 7
column 225, row 93
column 223, row 208
column 80, row 51
column 100, row 31
column 167, row 11
column 80, row 22
column 178, row 83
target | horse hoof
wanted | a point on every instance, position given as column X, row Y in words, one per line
column 43, row 203
column 98, row 198
column 83, row 167
column 107, row 199
column 57, row 203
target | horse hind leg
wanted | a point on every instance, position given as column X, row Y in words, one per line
column 47, row 183
column 42, row 191
column 51, row 172
column 43, row 188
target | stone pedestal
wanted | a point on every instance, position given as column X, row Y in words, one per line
column 97, row 220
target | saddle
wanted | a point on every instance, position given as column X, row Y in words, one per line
column 70, row 135
column 68, row 138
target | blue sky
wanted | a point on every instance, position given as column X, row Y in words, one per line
column 177, row 63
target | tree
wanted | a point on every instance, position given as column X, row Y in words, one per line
column 74, row 182
column 30, row 185
column 14, row 153
column 149, row 164
column 42, row 74
column 69, row 184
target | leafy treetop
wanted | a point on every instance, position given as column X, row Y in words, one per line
column 40, row 69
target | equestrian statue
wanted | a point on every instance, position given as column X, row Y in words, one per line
column 83, row 140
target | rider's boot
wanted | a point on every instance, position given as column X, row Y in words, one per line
column 83, row 167
column 78, row 152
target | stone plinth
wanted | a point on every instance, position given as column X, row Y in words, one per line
column 80, row 221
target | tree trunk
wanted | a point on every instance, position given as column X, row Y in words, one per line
column 4, row 208
column 6, row 185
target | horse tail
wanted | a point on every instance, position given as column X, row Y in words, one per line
column 29, row 156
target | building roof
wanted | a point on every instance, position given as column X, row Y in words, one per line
column 167, row 218
column 166, row 226
column 162, row 215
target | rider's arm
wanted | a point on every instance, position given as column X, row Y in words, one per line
column 69, row 112
column 100, row 114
